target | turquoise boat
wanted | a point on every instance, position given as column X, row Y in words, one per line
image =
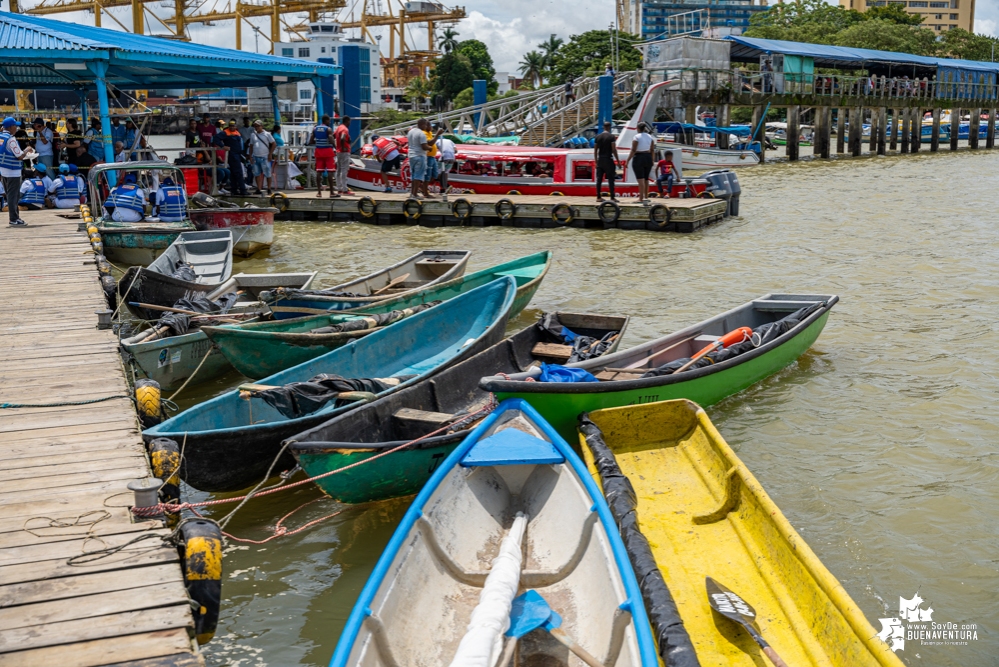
column 231, row 440
column 528, row 270
column 258, row 349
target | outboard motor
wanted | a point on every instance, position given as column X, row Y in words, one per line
column 720, row 187
column 735, row 190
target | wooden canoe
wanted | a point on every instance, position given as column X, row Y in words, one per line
column 259, row 349
column 513, row 500
column 562, row 403
column 705, row 515
column 422, row 270
column 419, row 410
column 209, row 254
column 231, row 440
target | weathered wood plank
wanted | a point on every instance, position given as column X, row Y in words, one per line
column 141, row 555
column 103, row 651
column 72, row 462
column 96, row 583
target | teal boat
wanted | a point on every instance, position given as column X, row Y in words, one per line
column 231, row 440
column 783, row 327
column 259, row 349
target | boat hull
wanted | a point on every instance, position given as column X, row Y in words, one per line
column 700, row 158
column 717, row 521
column 173, row 360
column 139, row 243
column 252, row 228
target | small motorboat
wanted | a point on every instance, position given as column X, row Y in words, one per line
column 196, row 262
column 739, row 347
column 512, row 510
column 170, row 359
column 445, row 401
column 252, row 226
column 231, row 440
column 529, row 271
column 690, row 504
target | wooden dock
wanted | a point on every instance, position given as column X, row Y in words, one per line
column 527, row 211
column 63, row 472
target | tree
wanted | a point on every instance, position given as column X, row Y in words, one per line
column 549, row 48
column 465, row 98
column 586, row 54
column 532, row 67
column 811, row 21
column 887, row 36
column 894, row 13
column 482, row 63
column 448, row 41
column 417, row 91
column 452, row 74
column 959, row 43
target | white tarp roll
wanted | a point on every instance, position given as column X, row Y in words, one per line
column 483, row 642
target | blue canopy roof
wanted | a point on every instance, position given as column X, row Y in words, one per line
column 45, row 53
column 749, row 49
column 674, row 127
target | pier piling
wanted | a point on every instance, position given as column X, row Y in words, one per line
column 915, row 129
column 873, row 141
column 973, row 128
column 882, row 123
column 955, row 127
column 935, row 131
column 990, row 136
column 840, row 130
column 856, row 130
column 903, row 127
column 793, row 132
column 893, row 144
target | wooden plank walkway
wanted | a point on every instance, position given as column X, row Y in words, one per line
column 71, row 464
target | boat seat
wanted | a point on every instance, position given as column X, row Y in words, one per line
column 528, row 578
column 410, row 417
column 552, row 351
column 780, row 305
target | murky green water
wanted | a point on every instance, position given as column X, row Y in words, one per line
column 879, row 445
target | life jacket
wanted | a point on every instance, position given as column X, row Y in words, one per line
column 322, row 134
column 7, row 158
column 69, row 188
column 384, row 147
column 174, row 203
column 128, row 197
column 36, row 195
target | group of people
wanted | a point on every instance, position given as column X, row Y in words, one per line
column 242, row 153
column 642, row 161
column 332, row 153
column 129, row 200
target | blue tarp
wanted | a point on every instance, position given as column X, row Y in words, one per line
column 673, row 128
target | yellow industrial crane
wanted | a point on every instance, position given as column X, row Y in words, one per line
column 240, row 10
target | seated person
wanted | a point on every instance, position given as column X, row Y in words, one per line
column 69, row 189
column 119, row 152
column 171, row 201
column 35, row 190
column 469, row 167
column 127, row 201
column 83, row 161
column 665, row 173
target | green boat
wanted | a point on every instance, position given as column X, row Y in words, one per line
column 783, row 327
column 260, row 349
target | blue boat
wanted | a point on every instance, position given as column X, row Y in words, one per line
column 229, row 441
column 511, row 508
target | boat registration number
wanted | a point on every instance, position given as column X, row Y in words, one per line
column 167, row 358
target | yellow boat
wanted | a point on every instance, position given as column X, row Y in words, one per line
column 705, row 515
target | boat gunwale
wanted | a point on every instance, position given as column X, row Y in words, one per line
column 460, row 265
column 496, row 384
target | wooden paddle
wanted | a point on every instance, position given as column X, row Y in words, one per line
column 650, row 359
column 734, row 608
column 392, row 283
column 165, row 309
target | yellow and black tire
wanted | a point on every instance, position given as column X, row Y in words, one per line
column 562, row 214
column 98, row 247
column 461, row 208
column 147, row 402
column 92, row 229
column 557, row 194
column 280, row 201
column 514, row 192
column 367, row 207
column 103, row 266
column 201, row 553
column 608, row 212
column 110, row 288
column 505, row 209
column 164, row 455
column 706, row 195
column 659, row 217
column 412, row 208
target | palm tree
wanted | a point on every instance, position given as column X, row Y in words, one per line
column 549, row 48
column 417, row 91
column 532, row 67
column 448, row 41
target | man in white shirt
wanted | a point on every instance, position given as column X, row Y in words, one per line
column 261, row 148
column 447, row 159
column 43, row 143
column 419, row 145
column 11, row 157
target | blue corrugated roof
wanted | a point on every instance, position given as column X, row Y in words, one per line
column 30, row 47
column 826, row 55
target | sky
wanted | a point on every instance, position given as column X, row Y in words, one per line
column 510, row 28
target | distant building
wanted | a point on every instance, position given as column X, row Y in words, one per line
column 326, row 41
column 659, row 19
column 938, row 15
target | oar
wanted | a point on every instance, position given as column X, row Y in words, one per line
column 248, row 390
column 731, row 338
column 392, row 283
column 165, row 309
column 734, row 608
column 531, row 611
column 648, row 360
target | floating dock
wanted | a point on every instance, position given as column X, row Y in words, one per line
column 64, row 471
column 669, row 215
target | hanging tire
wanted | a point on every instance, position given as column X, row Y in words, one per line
column 556, row 194
column 412, row 208
column 505, row 209
column 562, row 214
column 514, row 192
column 201, row 555
column 659, row 217
column 164, row 456
column 280, row 201
column 608, row 212
column 147, row 402
column 706, row 195
column 367, row 207
column 461, row 208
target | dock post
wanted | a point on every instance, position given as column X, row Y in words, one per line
column 955, row 127
column 903, row 127
column 759, row 127
column 856, row 130
column 793, row 130
column 915, row 130
column 935, row 131
column 840, row 130
column 990, row 137
column 873, row 142
column 820, row 145
column 723, row 120
column 480, row 94
column 893, row 139
column 975, row 125
column 882, row 126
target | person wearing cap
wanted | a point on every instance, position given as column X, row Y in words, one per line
column 35, row 190
column 325, row 154
column 11, row 157
column 43, row 142
column 260, row 148
column 341, row 142
column 93, row 138
column 233, row 142
column 127, row 201
column 67, row 188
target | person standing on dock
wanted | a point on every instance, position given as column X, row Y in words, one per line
column 387, row 152
column 640, row 158
column 44, row 143
column 606, row 157
column 261, row 149
column 231, row 140
column 117, row 130
column 325, row 154
column 447, row 160
column 419, row 147
column 11, row 158
column 94, row 139
column 341, row 141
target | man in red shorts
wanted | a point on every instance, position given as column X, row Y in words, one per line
column 322, row 139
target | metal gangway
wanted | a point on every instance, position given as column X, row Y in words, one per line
column 543, row 117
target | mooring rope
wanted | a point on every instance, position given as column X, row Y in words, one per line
column 64, row 403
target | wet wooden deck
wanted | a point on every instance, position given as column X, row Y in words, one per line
column 69, row 466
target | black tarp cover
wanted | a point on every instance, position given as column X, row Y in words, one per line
column 374, row 321
column 180, row 323
column 297, row 399
column 583, row 347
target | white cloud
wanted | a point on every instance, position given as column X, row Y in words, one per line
column 985, row 27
